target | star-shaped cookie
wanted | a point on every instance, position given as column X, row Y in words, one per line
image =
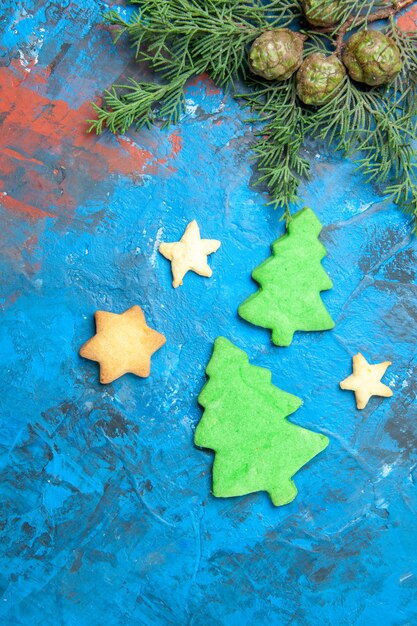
column 123, row 343
column 190, row 253
column 366, row 380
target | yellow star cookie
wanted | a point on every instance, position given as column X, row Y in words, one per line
column 190, row 253
column 366, row 380
column 123, row 343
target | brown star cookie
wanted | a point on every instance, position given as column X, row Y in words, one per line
column 123, row 343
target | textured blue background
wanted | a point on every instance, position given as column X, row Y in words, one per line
column 106, row 512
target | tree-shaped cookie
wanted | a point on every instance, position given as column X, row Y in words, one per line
column 291, row 281
column 244, row 422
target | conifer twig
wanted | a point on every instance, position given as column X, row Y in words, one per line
column 180, row 39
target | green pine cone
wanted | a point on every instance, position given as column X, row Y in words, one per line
column 319, row 77
column 276, row 54
column 318, row 13
column 372, row 58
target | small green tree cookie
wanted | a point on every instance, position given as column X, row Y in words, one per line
column 244, row 422
column 291, row 281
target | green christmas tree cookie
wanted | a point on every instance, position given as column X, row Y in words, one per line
column 291, row 281
column 244, row 422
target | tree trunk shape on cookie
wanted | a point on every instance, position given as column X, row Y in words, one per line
column 290, row 283
column 244, row 422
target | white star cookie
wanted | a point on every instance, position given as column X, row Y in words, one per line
column 366, row 380
column 190, row 253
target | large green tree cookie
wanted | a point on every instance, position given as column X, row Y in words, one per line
column 244, row 422
column 291, row 281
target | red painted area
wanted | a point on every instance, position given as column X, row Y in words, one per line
column 30, row 243
column 408, row 21
column 44, row 140
column 176, row 142
column 23, row 208
column 211, row 89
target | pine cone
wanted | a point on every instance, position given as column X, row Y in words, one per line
column 372, row 58
column 319, row 14
column 276, row 54
column 319, row 77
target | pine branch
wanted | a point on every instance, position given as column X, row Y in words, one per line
column 137, row 104
column 279, row 162
column 209, row 36
column 379, row 132
column 280, row 14
column 179, row 39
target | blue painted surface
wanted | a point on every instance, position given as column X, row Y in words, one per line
column 106, row 512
